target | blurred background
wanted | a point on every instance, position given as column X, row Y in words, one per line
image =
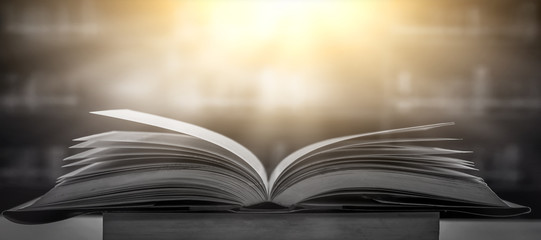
column 274, row 76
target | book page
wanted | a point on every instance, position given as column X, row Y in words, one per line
column 152, row 140
column 193, row 130
column 468, row 190
column 299, row 154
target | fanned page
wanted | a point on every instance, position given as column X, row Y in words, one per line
column 124, row 150
column 193, row 130
column 299, row 154
column 380, row 171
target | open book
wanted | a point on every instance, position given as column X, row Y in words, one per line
column 195, row 169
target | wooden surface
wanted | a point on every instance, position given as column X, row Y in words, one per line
column 90, row 228
column 261, row 226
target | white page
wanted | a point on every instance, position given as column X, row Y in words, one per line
column 193, row 130
column 310, row 148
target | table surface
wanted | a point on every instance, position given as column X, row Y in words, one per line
column 90, row 228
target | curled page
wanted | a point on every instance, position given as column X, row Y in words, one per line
column 193, row 130
column 313, row 147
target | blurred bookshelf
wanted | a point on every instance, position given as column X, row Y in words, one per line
column 411, row 62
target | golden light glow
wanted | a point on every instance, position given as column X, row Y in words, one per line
column 264, row 56
column 295, row 26
column 282, row 47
